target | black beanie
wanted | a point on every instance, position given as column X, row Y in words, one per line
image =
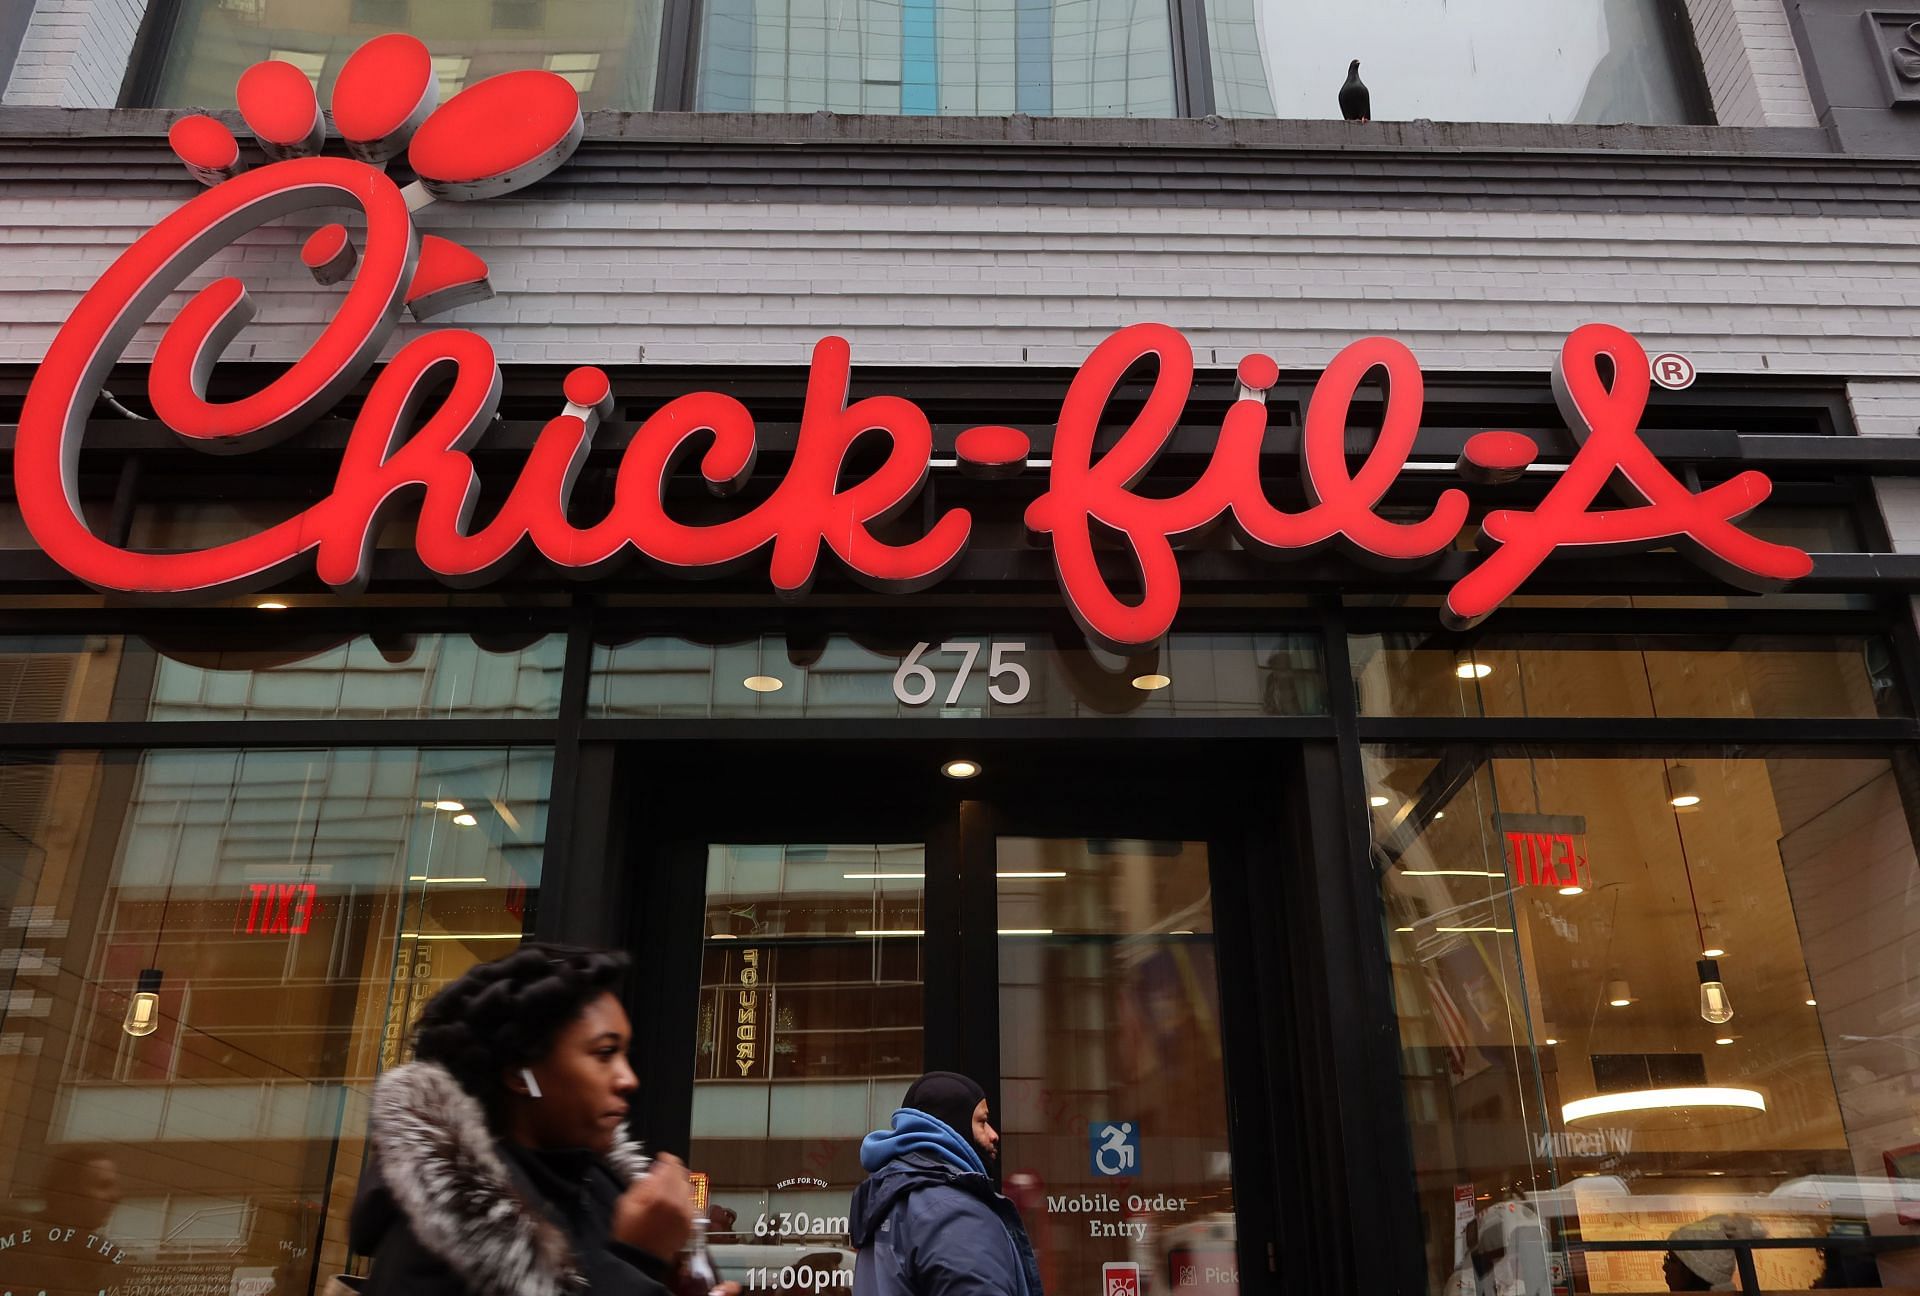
column 947, row 1096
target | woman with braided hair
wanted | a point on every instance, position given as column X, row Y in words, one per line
column 499, row 1163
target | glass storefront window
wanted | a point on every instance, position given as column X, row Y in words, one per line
column 209, row 956
column 1725, row 676
column 1115, row 1105
column 810, row 1029
column 318, row 677
column 1469, row 60
column 958, row 676
column 1049, row 58
column 608, row 49
column 1572, row 1077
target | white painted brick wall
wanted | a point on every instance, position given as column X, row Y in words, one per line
column 1753, row 67
column 995, row 285
column 1892, row 409
column 75, row 53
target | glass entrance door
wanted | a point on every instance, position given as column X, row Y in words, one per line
column 1062, row 946
column 1112, row 1084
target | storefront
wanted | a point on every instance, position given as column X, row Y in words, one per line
column 1356, row 851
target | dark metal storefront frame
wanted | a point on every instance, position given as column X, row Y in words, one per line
column 1324, row 1114
column 1324, row 1110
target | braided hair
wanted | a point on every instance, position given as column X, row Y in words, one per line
column 505, row 1014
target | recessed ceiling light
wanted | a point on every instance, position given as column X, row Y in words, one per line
column 1713, row 951
column 1550, row 1042
column 1724, row 1039
column 723, row 936
column 1813, row 1003
column 1439, row 814
column 450, row 806
column 764, row 683
column 1468, row 669
column 1572, row 890
column 960, row 769
column 465, row 820
column 1379, row 802
column 1148, row 683
column 271, row 605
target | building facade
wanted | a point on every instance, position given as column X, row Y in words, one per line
column 1354, row 855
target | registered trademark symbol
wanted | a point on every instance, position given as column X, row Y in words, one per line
column 1674, row 371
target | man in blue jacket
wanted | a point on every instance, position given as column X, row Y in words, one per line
column 928, row 1220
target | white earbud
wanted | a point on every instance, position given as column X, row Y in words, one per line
column 533, row 1086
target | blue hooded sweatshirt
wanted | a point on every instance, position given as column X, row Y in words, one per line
column 928, row 1221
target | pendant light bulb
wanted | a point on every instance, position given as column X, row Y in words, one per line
column 143, row 1009
column 1715, row 1006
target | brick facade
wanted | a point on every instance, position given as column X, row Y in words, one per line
column 74, row 53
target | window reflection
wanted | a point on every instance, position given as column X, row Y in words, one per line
column 607, row 48
column 1729, row 676
column 810, row 1029
column 1548, row 916
column 959, row 675
column 1112, row 1083
column 266, row 676
column 1469, row 60
column 1049, row 58
column 290, row 912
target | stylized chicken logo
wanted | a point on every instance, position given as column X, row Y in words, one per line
column 502, row 134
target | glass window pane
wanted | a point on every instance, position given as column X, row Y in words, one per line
column 1058, row 58
column 608, row 49
column 1570, row 1062
column 809, row 1032
column 1114, row 1098
column 280, row 677
column 1740, row 677
column 288, row 913
column 1467, row 60
column 959, row 676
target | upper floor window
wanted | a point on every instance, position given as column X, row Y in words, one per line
column 609, row 49
column 1050, row 58
column 1448, row 60
column 1597, row 61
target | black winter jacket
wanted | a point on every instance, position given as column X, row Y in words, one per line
column 447, row 1210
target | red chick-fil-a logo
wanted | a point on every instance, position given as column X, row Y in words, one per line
column 511, row 130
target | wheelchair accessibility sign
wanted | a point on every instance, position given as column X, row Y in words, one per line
column 1115, row 1148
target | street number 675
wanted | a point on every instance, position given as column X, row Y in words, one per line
column 915, row 683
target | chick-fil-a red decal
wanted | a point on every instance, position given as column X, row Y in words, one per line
column 430, row 403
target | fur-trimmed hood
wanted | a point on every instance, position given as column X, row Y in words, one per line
column 433, row 1161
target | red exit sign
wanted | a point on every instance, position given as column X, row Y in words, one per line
column 1546, row 850
column 280, row 909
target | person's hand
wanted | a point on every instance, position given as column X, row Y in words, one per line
column 655, row 1214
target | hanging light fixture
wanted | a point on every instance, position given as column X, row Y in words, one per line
column 1683, row 788
column 1715, row 1006
column 143, row 1006
column 143, row 1009
column 1619, row 993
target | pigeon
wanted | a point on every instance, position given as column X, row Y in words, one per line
column 1355, row 103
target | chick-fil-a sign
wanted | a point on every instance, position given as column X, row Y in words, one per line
column 511, row 130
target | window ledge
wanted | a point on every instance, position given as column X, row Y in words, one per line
column 1253, row 134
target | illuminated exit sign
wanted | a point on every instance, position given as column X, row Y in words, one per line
column 1547, row 850
column 280, row 909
